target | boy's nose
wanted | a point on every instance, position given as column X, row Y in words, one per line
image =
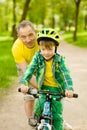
column 46, row 52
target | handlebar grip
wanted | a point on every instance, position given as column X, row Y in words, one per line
column 75, row 95
column 19, row 89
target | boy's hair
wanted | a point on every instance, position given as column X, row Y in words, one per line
column 25, row 23
column 48, row 44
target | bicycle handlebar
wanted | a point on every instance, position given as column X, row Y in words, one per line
column 48, row 93
column 57, row 94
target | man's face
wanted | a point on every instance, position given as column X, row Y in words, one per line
column 28, row 36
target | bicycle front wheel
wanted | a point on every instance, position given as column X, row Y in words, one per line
column 44, row 128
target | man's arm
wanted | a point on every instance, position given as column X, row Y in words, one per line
column 33, row 82
column 22, row 66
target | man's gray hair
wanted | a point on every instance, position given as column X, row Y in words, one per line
column 25, row 23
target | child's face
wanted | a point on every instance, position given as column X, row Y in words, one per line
column 47, row 53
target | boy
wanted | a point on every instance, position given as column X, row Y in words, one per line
column 51, row 73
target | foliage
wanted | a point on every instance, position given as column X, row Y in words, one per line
column 53, row 13
column 81, row 38
column 7, row 66
column 65, row 11
column 37, row 15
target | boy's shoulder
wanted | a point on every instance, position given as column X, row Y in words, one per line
column 38, row 55
column 59, row 57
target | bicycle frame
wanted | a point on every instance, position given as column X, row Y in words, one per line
column 46, row 121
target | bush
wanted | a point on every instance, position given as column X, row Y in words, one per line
column 8, row 72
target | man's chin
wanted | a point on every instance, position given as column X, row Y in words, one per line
column 31, row 46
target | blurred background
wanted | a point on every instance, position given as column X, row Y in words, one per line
column 64, row 15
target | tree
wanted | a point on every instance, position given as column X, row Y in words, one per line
column 37, row 15
column 66, row 14
column 25, row 10
column 14, row 20
column 77, row 4
column 24, row 14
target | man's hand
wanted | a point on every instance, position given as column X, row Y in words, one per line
column 69, row 93
column 24, row 88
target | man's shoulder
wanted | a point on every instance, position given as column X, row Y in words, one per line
column 17, row 44
column 17, row 47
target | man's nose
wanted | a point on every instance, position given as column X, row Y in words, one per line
column 27, row 39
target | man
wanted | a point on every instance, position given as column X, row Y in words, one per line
column 23, row 50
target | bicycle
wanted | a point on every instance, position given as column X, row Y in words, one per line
column 45, row 121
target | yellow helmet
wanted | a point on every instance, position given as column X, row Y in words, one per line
column 50, row 34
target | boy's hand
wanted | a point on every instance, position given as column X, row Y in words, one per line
column 69, row 93
column 24, row 88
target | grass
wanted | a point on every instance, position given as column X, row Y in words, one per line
column 8, row 73
column 81, row 38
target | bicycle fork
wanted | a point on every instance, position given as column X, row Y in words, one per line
column 46, row 119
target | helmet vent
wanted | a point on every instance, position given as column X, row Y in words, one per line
column 57, row 36
column 52, row 32
column 47, row 31
column 42, row 31
column 48, row 34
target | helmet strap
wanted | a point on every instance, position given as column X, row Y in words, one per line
column 55, row 49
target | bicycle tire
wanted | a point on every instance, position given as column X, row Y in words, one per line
column 44, row 128
column 41, row 128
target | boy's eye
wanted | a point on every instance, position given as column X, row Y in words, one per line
column 50, row 48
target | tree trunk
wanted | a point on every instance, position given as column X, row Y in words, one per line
column 24, row 14
column 77, row 3
column 26, row 5
column 14, row 34
column 85, row 27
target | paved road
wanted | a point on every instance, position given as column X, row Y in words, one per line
column 76, row 110
column 12, row 116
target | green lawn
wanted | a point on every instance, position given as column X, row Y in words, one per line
column 81, row 38
column 8, row 73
